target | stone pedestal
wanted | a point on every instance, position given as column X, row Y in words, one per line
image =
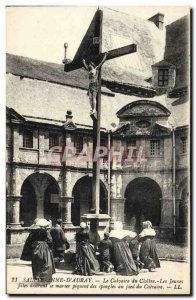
column 14, row 210
column 65, row 210
column 103, row 221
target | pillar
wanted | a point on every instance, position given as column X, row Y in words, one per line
column 66, row 199
column 13, row 200
column 166, row 211
column 42, row 146
column 116, row 200
column 14, row 210
column 40, row 205
column 16, row 142
column 65, row 210
column 166, row 226
column 117, row 210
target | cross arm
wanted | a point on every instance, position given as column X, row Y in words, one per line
column 111, row 54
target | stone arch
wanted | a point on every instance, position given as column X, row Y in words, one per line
column 28, row 203
column 142, row 202
column 82, row 193
column 147, row 108
column 40, row 198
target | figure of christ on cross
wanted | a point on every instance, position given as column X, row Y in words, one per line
column 94, row 93
column 93, row 81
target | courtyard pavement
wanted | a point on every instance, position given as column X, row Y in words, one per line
column 171, row 278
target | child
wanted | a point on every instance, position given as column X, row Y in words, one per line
column 104, row 248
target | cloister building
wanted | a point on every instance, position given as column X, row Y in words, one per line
column 145, row 105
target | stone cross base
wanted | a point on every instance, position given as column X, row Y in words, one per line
column 97, row 222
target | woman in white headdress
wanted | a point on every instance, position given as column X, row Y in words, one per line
column 148, row 251
column 86, row 261
column 37, row 249
column 123, row 260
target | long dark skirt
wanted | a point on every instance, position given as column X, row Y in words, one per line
column 42, row 262
column 105, row 263
column 27, row 249
column 148, row 254
column 86, row 261
column 123, row 259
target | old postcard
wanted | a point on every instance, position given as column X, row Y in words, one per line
column 98, row 150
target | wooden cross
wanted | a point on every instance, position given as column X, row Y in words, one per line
column 96, row 55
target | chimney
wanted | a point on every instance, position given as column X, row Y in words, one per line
column 66, row 60
column 158, row 20
column 69, row 115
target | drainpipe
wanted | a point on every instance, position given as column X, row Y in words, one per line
column 174, row 179
column 38, row 146
column 109, row 170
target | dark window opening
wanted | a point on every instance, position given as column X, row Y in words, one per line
column 163, row 77
column 53, row 140
column 155, row 147
column 78, row 143
column 28, row 139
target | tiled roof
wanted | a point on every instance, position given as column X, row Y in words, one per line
column 162, row 63
column 55, row 91
column 120, row 29
column 177, row 51
column 45, row 71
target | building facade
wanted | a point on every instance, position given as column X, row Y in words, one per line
column 145, row 169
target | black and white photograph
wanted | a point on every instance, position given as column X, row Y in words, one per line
column 98, row 109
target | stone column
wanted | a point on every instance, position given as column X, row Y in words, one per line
column 16, row 142
column 113, row 199
column 41, row 146
column 166, row 211
column 166, row 226
column 65, row 210
column 13, row 200
column 40, row 205
column 69, row 161
column 119, row 185
column 65, row 200
column 14, row 210
column 117, row 201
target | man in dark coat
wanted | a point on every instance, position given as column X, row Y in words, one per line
column 60, row 243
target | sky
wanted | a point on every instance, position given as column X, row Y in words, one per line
column 40, row 32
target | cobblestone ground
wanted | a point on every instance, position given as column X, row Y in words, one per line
column 171, row 278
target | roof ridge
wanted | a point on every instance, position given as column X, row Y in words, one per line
column 33, row 59
column 130, row 15
column 178, row 20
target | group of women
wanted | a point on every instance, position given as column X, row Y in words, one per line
column 121, row 250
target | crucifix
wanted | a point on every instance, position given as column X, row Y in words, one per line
column 90, row 56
